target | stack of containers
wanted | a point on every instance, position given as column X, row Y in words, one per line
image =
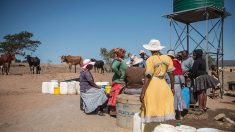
column 63, row 88
column 105, row 86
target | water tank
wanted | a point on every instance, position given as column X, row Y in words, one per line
column 182, row 5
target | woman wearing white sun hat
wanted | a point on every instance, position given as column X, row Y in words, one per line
column 156, row 97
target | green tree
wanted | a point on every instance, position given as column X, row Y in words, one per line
column 19, row 43
column 107, row 55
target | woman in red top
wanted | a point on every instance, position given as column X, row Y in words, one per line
column 179, row 82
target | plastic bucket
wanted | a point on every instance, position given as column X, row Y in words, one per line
column 127, row 106
column 107, row 89
column 56, row 90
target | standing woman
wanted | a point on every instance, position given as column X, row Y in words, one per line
column 118, row 81
column 202, row 80
column 157, row 97
column 179, row 82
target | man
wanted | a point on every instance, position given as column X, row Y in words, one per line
column 187, row 62
column 144, row 56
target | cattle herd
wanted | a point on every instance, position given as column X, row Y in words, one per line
column 34, row 63
column 77, row 60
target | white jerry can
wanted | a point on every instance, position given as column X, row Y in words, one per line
column 184, row 128
column 45, row 87
column 137, row 122
column 52, row 86
column 165, row 128
column 63, row 87
column 77, row 87
column 72, row 87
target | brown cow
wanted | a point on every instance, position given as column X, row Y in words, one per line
column 72, row 60
column 5, row 62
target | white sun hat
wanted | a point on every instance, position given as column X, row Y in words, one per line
column 153, row 45
column 142, row 51
column 137, row 60
column 134, row 60
column 171, row 53
column 86, row 62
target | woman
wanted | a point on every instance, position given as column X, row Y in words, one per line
column 156, row 97
column 93, row 97
column 119, row 67
column 179, row 82
column 202, row 80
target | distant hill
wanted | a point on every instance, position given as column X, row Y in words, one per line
column 227, row 63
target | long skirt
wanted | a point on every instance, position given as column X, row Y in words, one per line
column 204, row 82
column 93, row 98
column 114, row 92
column 158, row 105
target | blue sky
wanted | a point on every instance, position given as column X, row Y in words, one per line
column 82, row 27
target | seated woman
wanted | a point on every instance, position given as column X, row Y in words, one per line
column 93, row 97
column 119, row 67
column 134, row 77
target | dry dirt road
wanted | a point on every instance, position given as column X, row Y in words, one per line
column 24, row 109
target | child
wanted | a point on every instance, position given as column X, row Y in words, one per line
column 214, row 73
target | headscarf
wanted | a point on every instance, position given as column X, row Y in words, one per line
column 118, row 51
column 198, row 53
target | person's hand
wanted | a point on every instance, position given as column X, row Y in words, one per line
column 119, row 59
column 173, row 91
column 182, row 85
column 142, row 98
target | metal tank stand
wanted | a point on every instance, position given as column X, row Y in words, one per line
column 190, row 35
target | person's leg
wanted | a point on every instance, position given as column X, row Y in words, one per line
column 100, row 111
column 200, row 99
column 204, row 100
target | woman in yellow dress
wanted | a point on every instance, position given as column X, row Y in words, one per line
column 157, row 97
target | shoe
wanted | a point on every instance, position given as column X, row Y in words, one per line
column 205, row 109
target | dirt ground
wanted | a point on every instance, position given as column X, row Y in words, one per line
column 23, row 108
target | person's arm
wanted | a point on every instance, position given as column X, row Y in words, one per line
column 214, row 74
column 193, row 71
column 146, row 84
column 90, row 79
column 172, row 79
column 92, row 83
column 148, row 76
column 170, row 70
column 115, row 67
